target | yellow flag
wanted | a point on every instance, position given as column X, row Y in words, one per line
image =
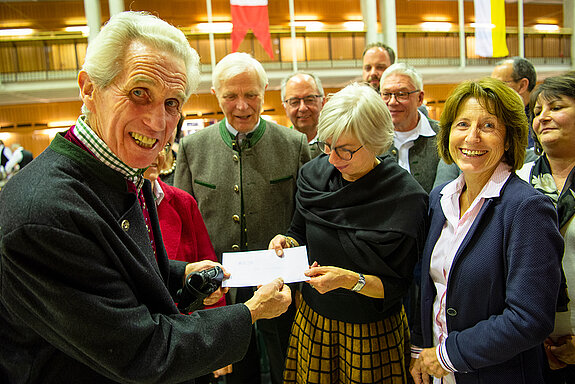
column 490, row 28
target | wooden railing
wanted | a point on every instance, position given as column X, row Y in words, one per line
column 60, row 57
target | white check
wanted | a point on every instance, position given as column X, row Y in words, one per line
column 253, row 268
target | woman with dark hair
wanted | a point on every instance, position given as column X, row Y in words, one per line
column 488, row 292
column 553, row 106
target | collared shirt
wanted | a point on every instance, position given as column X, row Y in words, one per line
column 454, row 231
column 158, row 192
column 403, row 141
column 235, row 132
column 102, row 152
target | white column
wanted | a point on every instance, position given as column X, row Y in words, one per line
column 520, row 29
column 369, row 10
column 462, row 52
column 569, row 22
column 388, row 23
column 211, row 35
column 292, row 32
column 116, row 6
column 94, row 17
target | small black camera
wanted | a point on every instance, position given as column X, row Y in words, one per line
column 198, row 286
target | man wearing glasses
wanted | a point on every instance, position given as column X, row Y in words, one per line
column 414, row 138
column 303, row 98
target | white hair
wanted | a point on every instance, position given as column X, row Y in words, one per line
column 404, row 69
column 105, row 55
column 359, row 111
column 235, row 64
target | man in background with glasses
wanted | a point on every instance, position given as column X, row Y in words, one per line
column 414, row 138
column 303, row 98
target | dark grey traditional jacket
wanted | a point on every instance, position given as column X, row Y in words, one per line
column 82, row 298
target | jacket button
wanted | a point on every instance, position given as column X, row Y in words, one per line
column 236, row 218
column 236, row 188
column 451, row 312
column 125, row 225
column 394, row 152
column 236, row 158
column 235, row 247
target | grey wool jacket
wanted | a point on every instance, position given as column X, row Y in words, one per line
column 245, row 193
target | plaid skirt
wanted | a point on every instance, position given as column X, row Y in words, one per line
column 322, row 350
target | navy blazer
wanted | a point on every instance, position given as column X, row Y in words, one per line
column 502, row 286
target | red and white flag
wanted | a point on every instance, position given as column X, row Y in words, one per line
column 251, row 14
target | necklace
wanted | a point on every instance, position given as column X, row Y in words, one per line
column 170, row 170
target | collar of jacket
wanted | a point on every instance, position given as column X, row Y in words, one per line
column 252, row 137
column 106, row 174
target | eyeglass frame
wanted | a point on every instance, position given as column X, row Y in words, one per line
column 395, row 94
column 321, row 145
column 300, row 99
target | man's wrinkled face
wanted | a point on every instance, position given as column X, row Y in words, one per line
column 241, row 98
column 136, row 114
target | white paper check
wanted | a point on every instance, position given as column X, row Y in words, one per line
column 253, row 268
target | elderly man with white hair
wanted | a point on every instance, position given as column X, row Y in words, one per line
column 242, row 172
column 87, row 293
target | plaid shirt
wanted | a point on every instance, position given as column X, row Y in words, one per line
column 102, row 152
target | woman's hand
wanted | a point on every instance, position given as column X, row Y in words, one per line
column 415, row 370
column 429, row 364
column 223, row 371
column 278, row 243
column 325, row 279
column 563, row 349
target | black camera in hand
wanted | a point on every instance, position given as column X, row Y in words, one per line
column 198, row 286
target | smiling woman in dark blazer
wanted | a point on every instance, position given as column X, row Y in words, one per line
column 489, row 290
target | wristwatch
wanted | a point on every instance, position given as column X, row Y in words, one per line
column 360, row 283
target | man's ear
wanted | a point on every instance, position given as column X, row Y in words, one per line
column 523, row 85
column 420, row 98
column 86, row 89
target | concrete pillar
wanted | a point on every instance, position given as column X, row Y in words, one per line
column 116, row 6
column 369, row 11
column 94, row 18
column 388, row 23
column 569, row 22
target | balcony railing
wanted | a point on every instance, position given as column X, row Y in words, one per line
column 60, row 57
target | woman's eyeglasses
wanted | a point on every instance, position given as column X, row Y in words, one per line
column 342, row 153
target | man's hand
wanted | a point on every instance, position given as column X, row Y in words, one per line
column 207, row 264
column 270, row 300
column 563, row 349
column 415, row 370
column 429, row 364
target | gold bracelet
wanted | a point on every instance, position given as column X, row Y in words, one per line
column 291, row 242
